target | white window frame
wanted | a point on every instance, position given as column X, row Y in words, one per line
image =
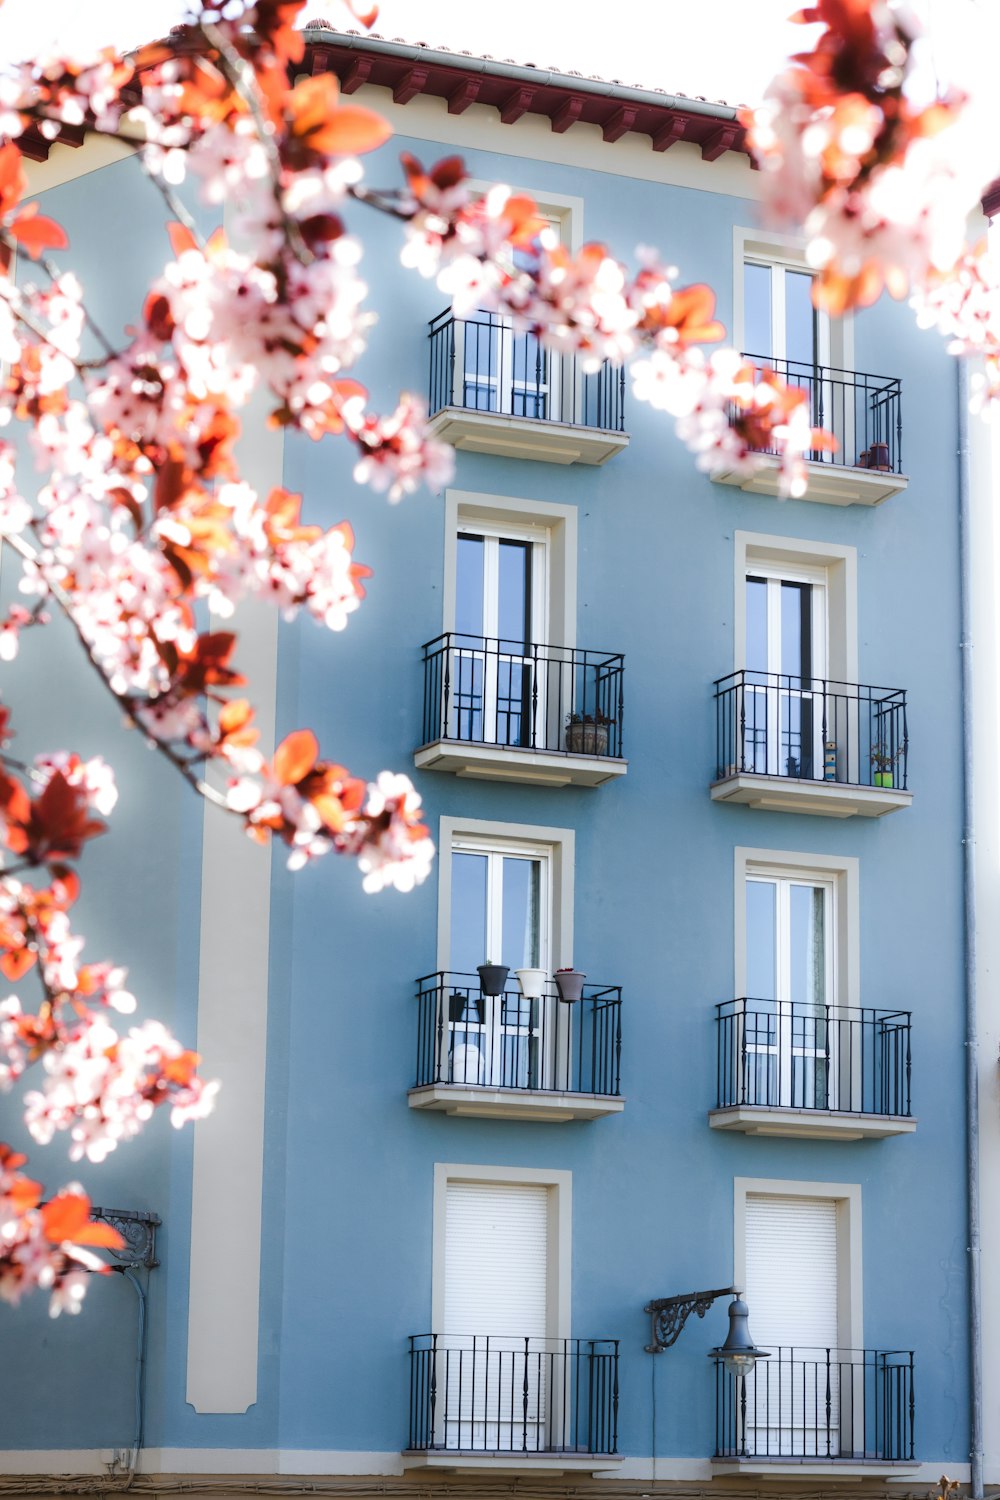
column 775, row 699
column 843, row 872
column 788, row 252
column 516, row 849
column 835, row 567
column 560, row 1257
column 559, row 846
column 553, row 527
column 850, row 1264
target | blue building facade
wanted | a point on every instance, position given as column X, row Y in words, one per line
column 656, row 747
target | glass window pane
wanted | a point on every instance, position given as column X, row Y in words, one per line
column 515, row 593
column 756, row 625
column 796, row 605
column 521, row 913
column 469, row 585
column 481, row 359
column 757, row 311
column 800, row 319
column 762, row 977
column 808, row 945
column 468, row 913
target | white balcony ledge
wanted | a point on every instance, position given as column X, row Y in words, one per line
column 513, row 1104
column 458, row 1462
column 525, row 437
column 834, row 1468
column 829, row 484
column 508, row 763
column 826, row 799
column 809, row 1124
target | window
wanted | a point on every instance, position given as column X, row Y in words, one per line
column 786, row 634
column 501, row 1306
column 504, row 371
column 791, row 1039
column 797, row 927
column 779, row 320
column 501, row 596
column 501, row 913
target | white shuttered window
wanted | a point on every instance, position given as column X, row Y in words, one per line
column 496, row 1274
column 791, row 1274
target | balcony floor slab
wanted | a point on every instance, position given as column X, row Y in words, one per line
column 514, row 1104
column 826, row 799
column 829, row 484
column 525, row 437
column 851, row 1469
column 809, row 1124
column 510, row 763
column 460, row 1462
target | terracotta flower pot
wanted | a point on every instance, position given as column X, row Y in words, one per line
column 587, row 739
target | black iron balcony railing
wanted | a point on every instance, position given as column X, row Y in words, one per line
column 477, row 1393
column 774, row 1055
column 486, row 691
column 510, row 1041
column 481, row 364
column 862, row 411
column 811, row 729
column 851, row 1404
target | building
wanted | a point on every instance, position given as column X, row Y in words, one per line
column 647, row 711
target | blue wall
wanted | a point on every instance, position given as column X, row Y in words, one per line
column 346, row 1272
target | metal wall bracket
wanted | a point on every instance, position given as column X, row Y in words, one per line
column 669, row 1314
column 139, row 1233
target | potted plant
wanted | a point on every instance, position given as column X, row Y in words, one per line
column 878, row 457
column 884, row 759
column 493, row 978
column 569, row 983
column 587, row 734
column 532, row 982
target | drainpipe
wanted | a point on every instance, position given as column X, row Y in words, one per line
column 969, row 892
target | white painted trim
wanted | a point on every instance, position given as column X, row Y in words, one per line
column 847, row 1196
column 228, row 1171
column 560, row 1239
column 838, row 563
column 67, row 163
column 557, row 524
column 265, row 1462
column 563, row 210
column 846, row 870
column 562, row 845
column 532, row 138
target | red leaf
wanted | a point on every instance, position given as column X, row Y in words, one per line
column 35, row 233
column 295, row 757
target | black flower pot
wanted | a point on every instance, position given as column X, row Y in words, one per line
column 569, row 983
column 493, row 978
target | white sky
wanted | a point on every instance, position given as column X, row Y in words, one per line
column 723, row 49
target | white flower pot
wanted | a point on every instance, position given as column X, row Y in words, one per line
column 532, row 982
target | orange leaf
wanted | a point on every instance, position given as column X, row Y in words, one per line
column 35, row 233
column 295, row 757
column 12, row 179
column 16, row 962
column 350, row 131
column 181, row 238
column 99, row 1234
column 65, row 1216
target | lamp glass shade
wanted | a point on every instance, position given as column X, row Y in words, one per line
column 739, row 1353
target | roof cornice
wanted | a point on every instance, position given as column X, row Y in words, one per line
column 513, row 90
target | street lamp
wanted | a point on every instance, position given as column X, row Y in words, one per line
column 739, row 1353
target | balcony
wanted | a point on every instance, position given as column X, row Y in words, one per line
column 491, row 1402
column 514, row 1056
column 863, row 413
column 508, row 711
column 832, row 1072
column 803, row 1409
column 496, row 391
column 807, row 745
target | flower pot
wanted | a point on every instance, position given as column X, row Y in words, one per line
column 878, row 456
column 863, row 459
column 492, row 978
column 532, row 982
column 569, row 983
column 587, row 739
column 883, row 778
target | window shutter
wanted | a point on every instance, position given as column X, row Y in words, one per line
column 791, row 1260
column 496, row 1252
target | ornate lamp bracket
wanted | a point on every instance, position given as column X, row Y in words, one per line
column 139, row 1233
column 669, row 1314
